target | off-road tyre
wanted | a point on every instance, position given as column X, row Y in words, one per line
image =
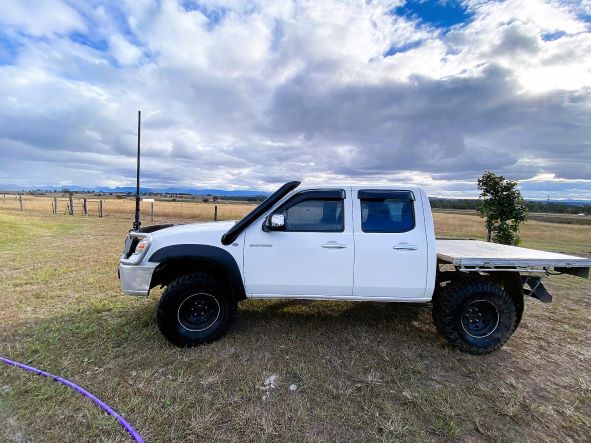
column 458, row 312
column 195, row 309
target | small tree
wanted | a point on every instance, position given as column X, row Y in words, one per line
column 503, row 207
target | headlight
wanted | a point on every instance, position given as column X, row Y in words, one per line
column 136, row 246
column 141, row 246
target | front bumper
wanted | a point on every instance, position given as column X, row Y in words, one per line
column 135, row 279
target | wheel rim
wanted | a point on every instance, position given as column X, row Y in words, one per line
column 198, row 312
column 480, row 318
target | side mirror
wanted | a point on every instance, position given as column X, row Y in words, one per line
column 274, row 222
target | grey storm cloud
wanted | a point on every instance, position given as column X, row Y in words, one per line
column 451, row 128
column 272, row 91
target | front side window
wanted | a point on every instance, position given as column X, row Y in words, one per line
column 386, row 211
column 315, row 215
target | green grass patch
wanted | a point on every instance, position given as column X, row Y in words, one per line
column 362, row 371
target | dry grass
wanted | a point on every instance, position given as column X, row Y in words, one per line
column 363, row 371
column 461, row 224
column 115, row 207
column 534, row 234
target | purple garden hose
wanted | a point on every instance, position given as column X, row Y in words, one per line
column 134, row 434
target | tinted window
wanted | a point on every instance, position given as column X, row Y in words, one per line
column 315, row 215
column 387, row 215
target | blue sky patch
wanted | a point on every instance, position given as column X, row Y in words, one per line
column 83, row 39
column 8, row 49
column 214, row 16
column 402, row 48
column 553, row 36
column 436, row 13
column 585, row 17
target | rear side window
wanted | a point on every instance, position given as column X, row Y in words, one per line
column 387, row 211
column 315, row 215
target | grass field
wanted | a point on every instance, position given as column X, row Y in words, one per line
column 124, row 207
column 362, row 371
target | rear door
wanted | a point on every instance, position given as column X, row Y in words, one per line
column 312, row 257
column 391, row 254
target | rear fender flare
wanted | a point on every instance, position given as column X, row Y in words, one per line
column 510, row 281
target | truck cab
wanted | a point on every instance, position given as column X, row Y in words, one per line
column 343, row 242
column 361, row 243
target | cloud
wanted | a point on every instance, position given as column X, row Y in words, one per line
column 250, row 94
column 40, row 19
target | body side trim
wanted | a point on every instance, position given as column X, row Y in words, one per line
column 340, row 297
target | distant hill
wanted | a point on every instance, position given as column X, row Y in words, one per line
column 126, row 189
column 473, row 201
column 534, row 206
column 555, row 206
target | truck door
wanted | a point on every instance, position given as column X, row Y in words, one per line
column 391, row 254
column 313, row 256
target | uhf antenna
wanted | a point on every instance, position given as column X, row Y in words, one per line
column 137, row 223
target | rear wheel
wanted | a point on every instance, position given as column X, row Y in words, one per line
column 195, row 309
column 474, row 316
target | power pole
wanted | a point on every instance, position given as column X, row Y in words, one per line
column 547, row 204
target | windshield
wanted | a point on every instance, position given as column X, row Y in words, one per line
column 235, row 230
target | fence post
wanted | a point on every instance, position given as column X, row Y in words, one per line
column 152, row 211
column 100, row 208
column 84, row 207
column 71, row 205
column 215, row 213
column 54, row 205
column 20, row 201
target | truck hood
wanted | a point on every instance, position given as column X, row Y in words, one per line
column 208, row 234
column 193, row 230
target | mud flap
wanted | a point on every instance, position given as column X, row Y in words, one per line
column 533, row 287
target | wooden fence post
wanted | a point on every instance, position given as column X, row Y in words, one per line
column 152, row 211
column 20, row 201
column 84, row 207
column 54, row 205
column 215, row 213
column 71, row 205
column 100, row 208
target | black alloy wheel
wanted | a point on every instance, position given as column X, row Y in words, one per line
column 198, row 312
column 480, row 318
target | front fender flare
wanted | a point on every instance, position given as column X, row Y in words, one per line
column 214, row 256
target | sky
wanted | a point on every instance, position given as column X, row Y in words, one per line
column 250, row 94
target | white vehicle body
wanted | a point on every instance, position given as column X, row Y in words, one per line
column 347, row 265
column 363, row 243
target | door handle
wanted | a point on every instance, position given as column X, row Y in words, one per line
column 334, row 245
column 405, row 247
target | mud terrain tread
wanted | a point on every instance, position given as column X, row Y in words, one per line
column 171, row 298
column 448, row 303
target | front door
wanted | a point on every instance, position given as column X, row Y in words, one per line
column 391, row 259
column 312, row 257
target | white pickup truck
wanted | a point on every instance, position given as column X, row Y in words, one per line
column 362, row 243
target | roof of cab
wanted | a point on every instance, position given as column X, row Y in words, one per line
column 355, row 187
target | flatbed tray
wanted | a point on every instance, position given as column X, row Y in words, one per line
column 480, row 254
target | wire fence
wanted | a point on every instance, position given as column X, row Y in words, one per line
column 124, row 207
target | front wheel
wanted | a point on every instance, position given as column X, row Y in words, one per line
column 195, row 309
column 474, row 316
